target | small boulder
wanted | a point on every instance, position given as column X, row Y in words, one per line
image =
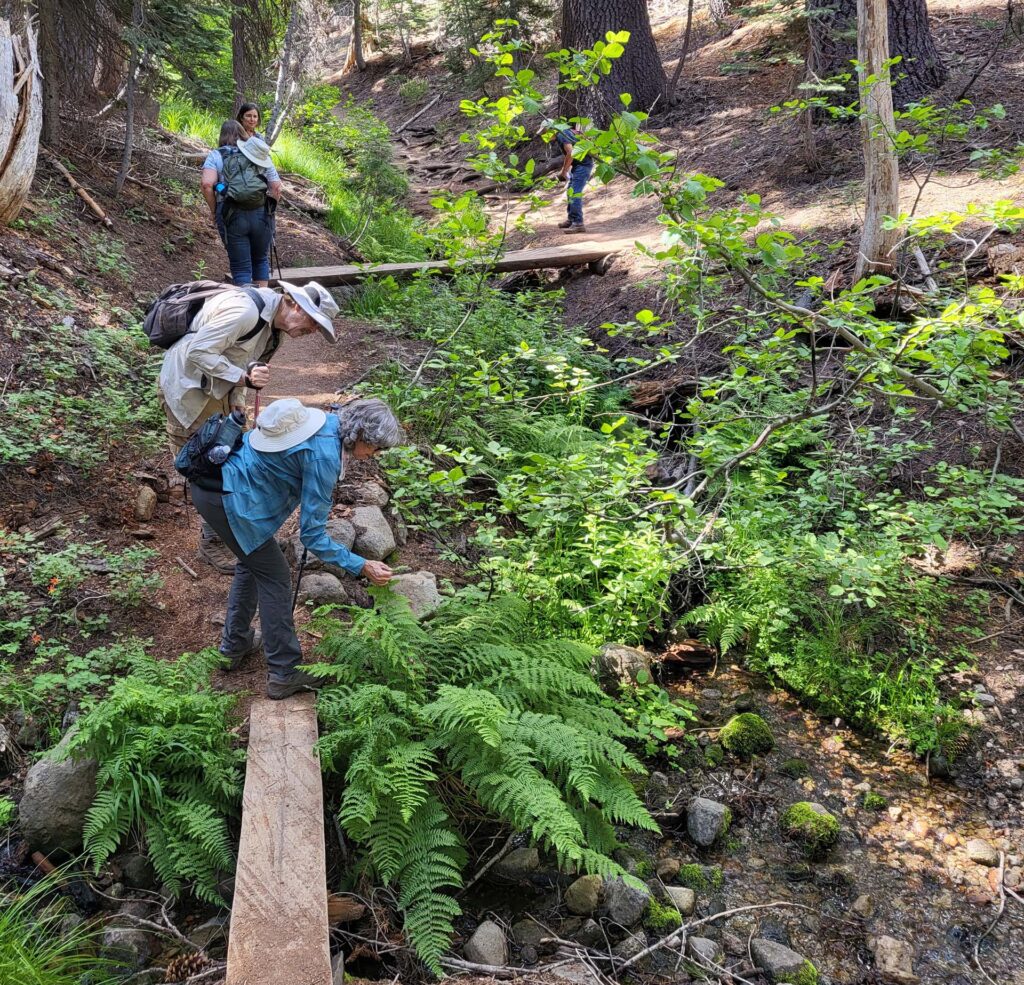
column 321, row 588
column 980, row 851
column 374, row 538
column 57, row 795
column 518, row 864
column 362, row 494
column 621, row 664
column 487, row 945
column 682, row 898
column 667, row 869
column 529, row 933
column 781, row 963
column 624, row 904
column 137, row 871
column 864, row 906
column 145, row 504
column 339, row 530
column 704, row 950
column 630, row 947
column 124, row 943
column 589, row 934
column 584, row 895
column 746, row 735
column 812, row 826
column 420, row 589
column 706, row 820
column 894, row 960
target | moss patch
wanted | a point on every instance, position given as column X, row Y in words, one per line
column 747, row 735
column 807, row 975
column 812, row 826
column 644, row 869
column 795, row 768
column 661, row 917
column 714, row 755
column 872, row 801
column 700, row 878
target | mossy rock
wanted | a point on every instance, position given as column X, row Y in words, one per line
column 714, row 755
column 700, row 878
column 747, row 735
column 807, row 975
column 872, row 801
column 812, row 826
column 661, row 917
column 796, row 768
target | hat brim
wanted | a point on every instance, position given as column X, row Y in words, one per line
column 305, row 302
column 263, row 160
column 261, row 442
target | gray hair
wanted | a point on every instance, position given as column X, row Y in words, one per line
column 369, row 420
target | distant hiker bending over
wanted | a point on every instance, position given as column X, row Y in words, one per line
column 242, row 188
column 207, row 370
column 575, row 170
column 294, row 457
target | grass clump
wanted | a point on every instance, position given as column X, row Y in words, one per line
column 872, row 801
column 812, row 826
column 795, row 768
column 660, row 917
column 6, row 811
column 700, row 878
column 747, row 735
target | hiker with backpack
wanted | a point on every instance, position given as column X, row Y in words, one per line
column 242, row 188
column 293, row 458
column 219, row 339
column 575, row 172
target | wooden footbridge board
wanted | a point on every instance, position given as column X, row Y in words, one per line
column 279, row 932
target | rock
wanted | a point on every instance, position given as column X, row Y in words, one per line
column 321, row 588
column 529, row 954
column 57, row 795
column 733, row 944
column 487, row 945
column 420, row 589
column 980, row 851
column 704, row 950
column 711, row 694
column 338, row 969
column 401, row 531
column 529, row 933
column 374, row 538
column 744, row 702
column 667, row 869
column 894, row 960
column 589, row 934
column 211, row 936
column 630, row 947
column 575, row 973
column 124, row 943
column 622, row 664
column 30, row 735
column 624, row 904
column 362, row 494
column 706, row 820
column 137, row 871
column 984, row 699
column 145, row 504
column 778, row 962
column 338, row 529
column 683, row 899
column 584, row 895
column 864, row 906
column 518, row 864
column 812, row 826
column 747, row 735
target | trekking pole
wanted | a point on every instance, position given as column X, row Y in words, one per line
column 256, row 406
column 298, row 581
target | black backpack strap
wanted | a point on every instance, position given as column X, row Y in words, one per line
column 261, row 322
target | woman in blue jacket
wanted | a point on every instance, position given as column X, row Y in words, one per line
column 294, row 457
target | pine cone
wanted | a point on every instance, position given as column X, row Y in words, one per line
column 186, row 965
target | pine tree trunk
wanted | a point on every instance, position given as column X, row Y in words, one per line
column 881, row 170
column 355, row 48
column 639, row 71
column 252, row 45
column 21, row 116
column 833, row 44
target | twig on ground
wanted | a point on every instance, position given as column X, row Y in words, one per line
column 995, row 920
column 186, row 568
column 417, row 115
column 78, row 189
column 496, row 857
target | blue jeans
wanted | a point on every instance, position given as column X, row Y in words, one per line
column 249, row 233
column 578, row 177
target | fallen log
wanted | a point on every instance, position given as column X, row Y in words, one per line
column 77, row 188
column 416, row 116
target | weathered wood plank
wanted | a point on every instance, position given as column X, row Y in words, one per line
column 572, row 254
column 279, row 933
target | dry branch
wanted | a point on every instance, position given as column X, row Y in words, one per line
column 417, row 115
column 78, row 189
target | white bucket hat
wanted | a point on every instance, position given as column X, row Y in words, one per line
column 316, row 301
column 285, row 424
column 257, row 150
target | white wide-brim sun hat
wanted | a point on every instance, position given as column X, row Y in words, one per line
column 285, row 424
column 257, row 150
column 317, row 302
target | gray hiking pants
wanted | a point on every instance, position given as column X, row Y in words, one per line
column 261, row 578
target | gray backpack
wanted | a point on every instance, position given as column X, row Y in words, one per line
column 169, row 317
column 244, row 183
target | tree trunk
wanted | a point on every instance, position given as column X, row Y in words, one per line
column 253, row 37
column 878, row 126
column 672, row 93
column 833, row 44
column 302, row 56
column 21, row 116
column 49, row 56
column 638, row 72
column 355, row 46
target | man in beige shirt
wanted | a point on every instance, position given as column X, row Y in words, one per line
column 205, row 372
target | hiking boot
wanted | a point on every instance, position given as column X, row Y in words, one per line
column 576, row 227
column 237, row 659
column 217, row 555
column 565, row 225
column 298, row 681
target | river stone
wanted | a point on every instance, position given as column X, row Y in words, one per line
column 57, row 795
column 529, row 933
column 420, row 589
column 374, row 539
column 980, row 851
column 618, row 663
column 583, row 896
column 706, row 820
column 518, row 864
column 630, row 947
column 683, row 899
column 667, row 869
column 864, row 906
column 145, row 504
column 321, row 588
column 624, row 904
column 894, row 960
column 487, row 945
column 776, row 960
column 704, row 949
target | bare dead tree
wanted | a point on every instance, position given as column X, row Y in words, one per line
column 672, row 93
column 21, row 114
column 302, row 55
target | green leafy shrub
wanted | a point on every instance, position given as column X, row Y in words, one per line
column 746, row 735
column 169, row 770
column 413, row 91
column 816, row 830
column 470, row 713
column 795, row 768
column 872, row 801
column 7, row 807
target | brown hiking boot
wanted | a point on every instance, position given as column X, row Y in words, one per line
column 575, row 228
column 564, row 225
column 297, row 682
column 237, row 659
column 217, row 555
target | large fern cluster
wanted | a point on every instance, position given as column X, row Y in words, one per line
column 433, row 723
column 169, row 770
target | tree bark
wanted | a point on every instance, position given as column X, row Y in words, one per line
column 672, row 93
column 355, row 46
column 253, row 30
column 881, row 170
column 302, row 56
column 832, row 27
column 638, row 72
column 21, row 116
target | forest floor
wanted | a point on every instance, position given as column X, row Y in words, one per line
column 909, row 858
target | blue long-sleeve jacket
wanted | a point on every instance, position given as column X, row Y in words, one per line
column 261, row 489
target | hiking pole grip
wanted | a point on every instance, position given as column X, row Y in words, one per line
column 248, row 369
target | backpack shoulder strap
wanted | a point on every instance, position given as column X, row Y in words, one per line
column 261, row 322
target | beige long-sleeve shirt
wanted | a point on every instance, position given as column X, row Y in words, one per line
column 210, row 360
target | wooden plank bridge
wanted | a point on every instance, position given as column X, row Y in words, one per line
column 576, row 253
